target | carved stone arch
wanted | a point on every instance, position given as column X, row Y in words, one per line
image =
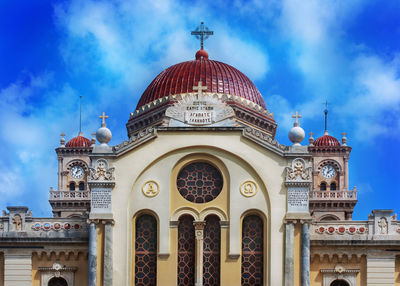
column 185, row 211
column 328, row 217
column 334, row 163
column 213, row 211
column 77, row 162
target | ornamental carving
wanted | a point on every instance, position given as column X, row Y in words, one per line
column 298, row 171
column 150, row 188
column 101, row 172
column 248, row 188
column 200, row 110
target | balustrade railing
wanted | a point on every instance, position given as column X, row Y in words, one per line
column 69, row 195
column 334, row 195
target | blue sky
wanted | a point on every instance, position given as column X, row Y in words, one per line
column 298, row 53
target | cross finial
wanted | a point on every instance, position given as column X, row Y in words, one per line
column 326, row 116
column 297, row 116
column 344, row 134
column 199, row 88
column 202, row 33
column 103, row 117
column 311, row 134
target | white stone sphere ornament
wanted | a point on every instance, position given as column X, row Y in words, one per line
column 103, row 134
column 296, row 134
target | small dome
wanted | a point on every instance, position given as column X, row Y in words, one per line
column 217, row 76
column 327, row 140
column 79, row 141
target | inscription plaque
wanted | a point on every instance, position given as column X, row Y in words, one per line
column 297, row 199
column 192, row 110
column 101, row 200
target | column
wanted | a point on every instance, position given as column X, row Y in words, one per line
column 305, row 253
column 108, row 264
column 92, row 267
column 199, row 236
column 289, row 253
column 346, row 173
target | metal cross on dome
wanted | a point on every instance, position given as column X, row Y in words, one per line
column 202, row 33
column 103, row 117
column 297, row 116
column 200, row 88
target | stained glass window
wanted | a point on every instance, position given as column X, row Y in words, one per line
column 146, row 251
column 199, row 182
column 252, row 251
column 211, row 251
column 186, row 251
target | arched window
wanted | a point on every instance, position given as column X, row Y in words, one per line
column 322, row 187
column 146, row 251
column 211, row 251
column 252, row 251
column 72, row 186
column 57, row 281
column 81, row 186
column 186, row 251
column 339, row 283
column 333, row 186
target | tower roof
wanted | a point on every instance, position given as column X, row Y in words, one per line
column 79, row 141
column 217, row 76
column 326, row 140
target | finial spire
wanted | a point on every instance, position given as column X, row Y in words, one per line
column 202, row 33
column 296, row 134
column 80, row 114
column 326, row 117
column 103, row 117
column 297, row 116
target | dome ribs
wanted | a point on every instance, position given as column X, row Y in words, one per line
column 217, row 76
column 214, row 78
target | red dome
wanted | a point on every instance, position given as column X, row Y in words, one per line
column 217, row 76
column 326, row 140
column 79, row 141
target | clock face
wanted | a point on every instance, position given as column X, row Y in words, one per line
column 328, row 171
column 77, row 172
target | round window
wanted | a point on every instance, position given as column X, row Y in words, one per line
column 199, row 182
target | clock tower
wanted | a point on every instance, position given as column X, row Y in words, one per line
column 330, row 196
column 72, row 197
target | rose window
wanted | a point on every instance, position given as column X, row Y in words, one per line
column 199, row 182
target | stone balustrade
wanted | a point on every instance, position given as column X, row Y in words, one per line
column 32, row 229
column 334, row 195
column 352, row 230
column 69, row 195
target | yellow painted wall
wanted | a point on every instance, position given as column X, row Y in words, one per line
column 220, row 202
column 317, row 264
column 80, row 262
column 161, row 160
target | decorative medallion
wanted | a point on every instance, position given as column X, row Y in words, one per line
column 150, row 188
column 248, row 188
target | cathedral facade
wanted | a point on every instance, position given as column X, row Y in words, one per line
column 201, row 193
